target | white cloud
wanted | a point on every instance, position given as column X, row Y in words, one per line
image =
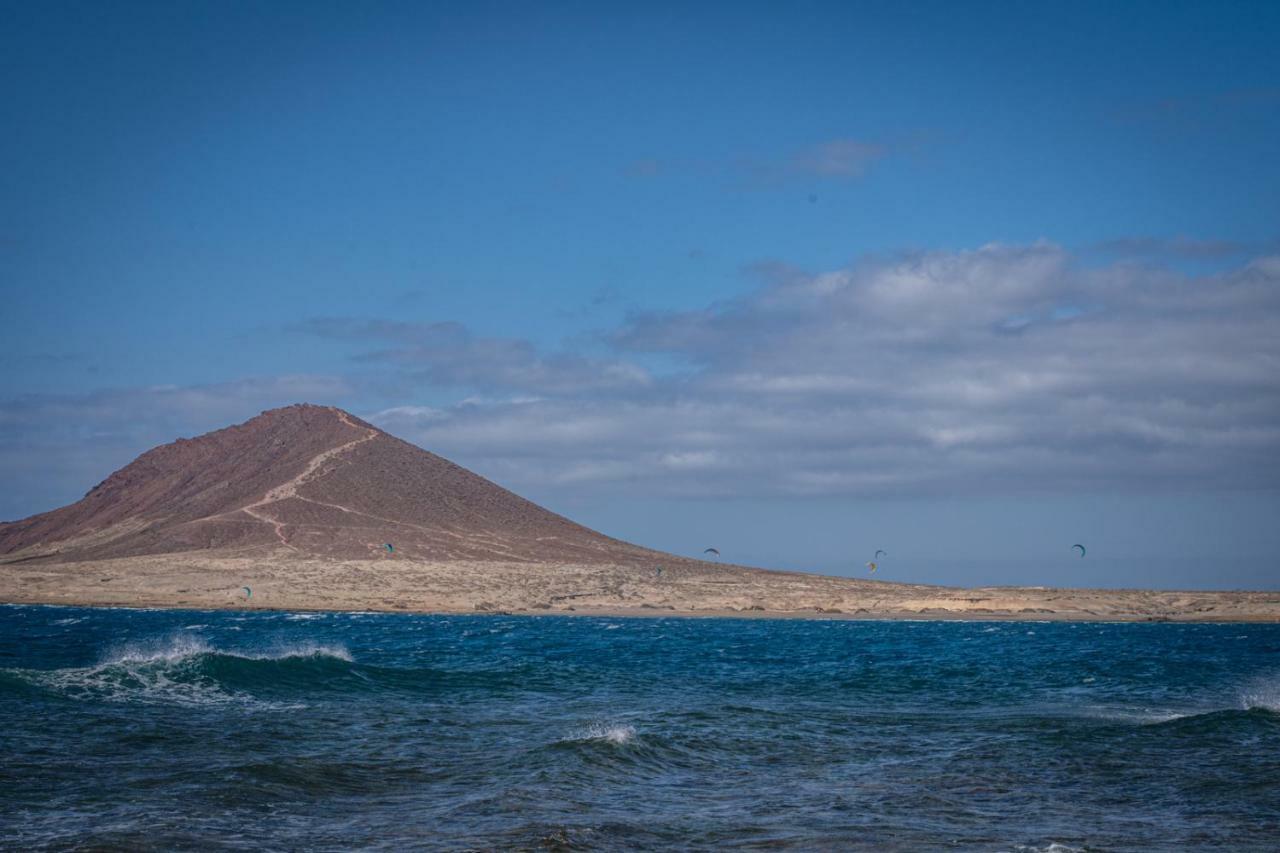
column 448, row 354
column 904, row 377
column 893, row 377
column 839, row 158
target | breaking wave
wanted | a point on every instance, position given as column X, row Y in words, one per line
column 1262, row 694
column 618, row 734
column 181, row 670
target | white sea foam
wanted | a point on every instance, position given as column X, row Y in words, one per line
column 147, row 686
column 1262, row 693
column 618, row 734
column 172, row 649
column 1155, row 716
column 181, row 647
column 1135, row 714
column 298, row 650
column 134, row 678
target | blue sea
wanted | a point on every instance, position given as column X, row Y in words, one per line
column 196, row 730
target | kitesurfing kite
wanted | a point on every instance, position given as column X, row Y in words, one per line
column 248, row 593
column 1081, row 547
column 879, row 552
column 712, row 551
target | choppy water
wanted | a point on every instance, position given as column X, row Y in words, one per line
column 128, row 729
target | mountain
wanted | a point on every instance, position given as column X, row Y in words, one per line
column 309, row 481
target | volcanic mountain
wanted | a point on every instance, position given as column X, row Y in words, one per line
column 308, row 481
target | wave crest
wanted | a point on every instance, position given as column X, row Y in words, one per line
column 1263, row 694
column 181, row 669
column 182, row 647
column 618, row 734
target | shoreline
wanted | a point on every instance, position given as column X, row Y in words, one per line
column 652, row 613
column 663, row 613
column 287, row 583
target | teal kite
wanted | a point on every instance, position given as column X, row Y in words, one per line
column 390, row 548
column 1081, row 547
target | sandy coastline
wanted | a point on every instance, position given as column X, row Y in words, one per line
column 286, row 582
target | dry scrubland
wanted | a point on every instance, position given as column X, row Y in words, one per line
column 287, row 582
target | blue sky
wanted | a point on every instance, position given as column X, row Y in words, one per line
column 800, row 282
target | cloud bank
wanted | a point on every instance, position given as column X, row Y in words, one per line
column 1005, row 369
column 1002, row 370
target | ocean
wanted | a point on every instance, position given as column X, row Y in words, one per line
column 196, row 730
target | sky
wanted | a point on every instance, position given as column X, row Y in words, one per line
column 969, row 283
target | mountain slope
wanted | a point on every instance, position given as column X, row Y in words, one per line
column 308, row 481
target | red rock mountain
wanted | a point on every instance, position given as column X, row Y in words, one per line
column 309, row 481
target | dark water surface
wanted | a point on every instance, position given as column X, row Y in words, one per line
column 130, row 729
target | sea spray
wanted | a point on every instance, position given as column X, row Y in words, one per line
column 618, row 734
column 180, row 668
column 1262, row 693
